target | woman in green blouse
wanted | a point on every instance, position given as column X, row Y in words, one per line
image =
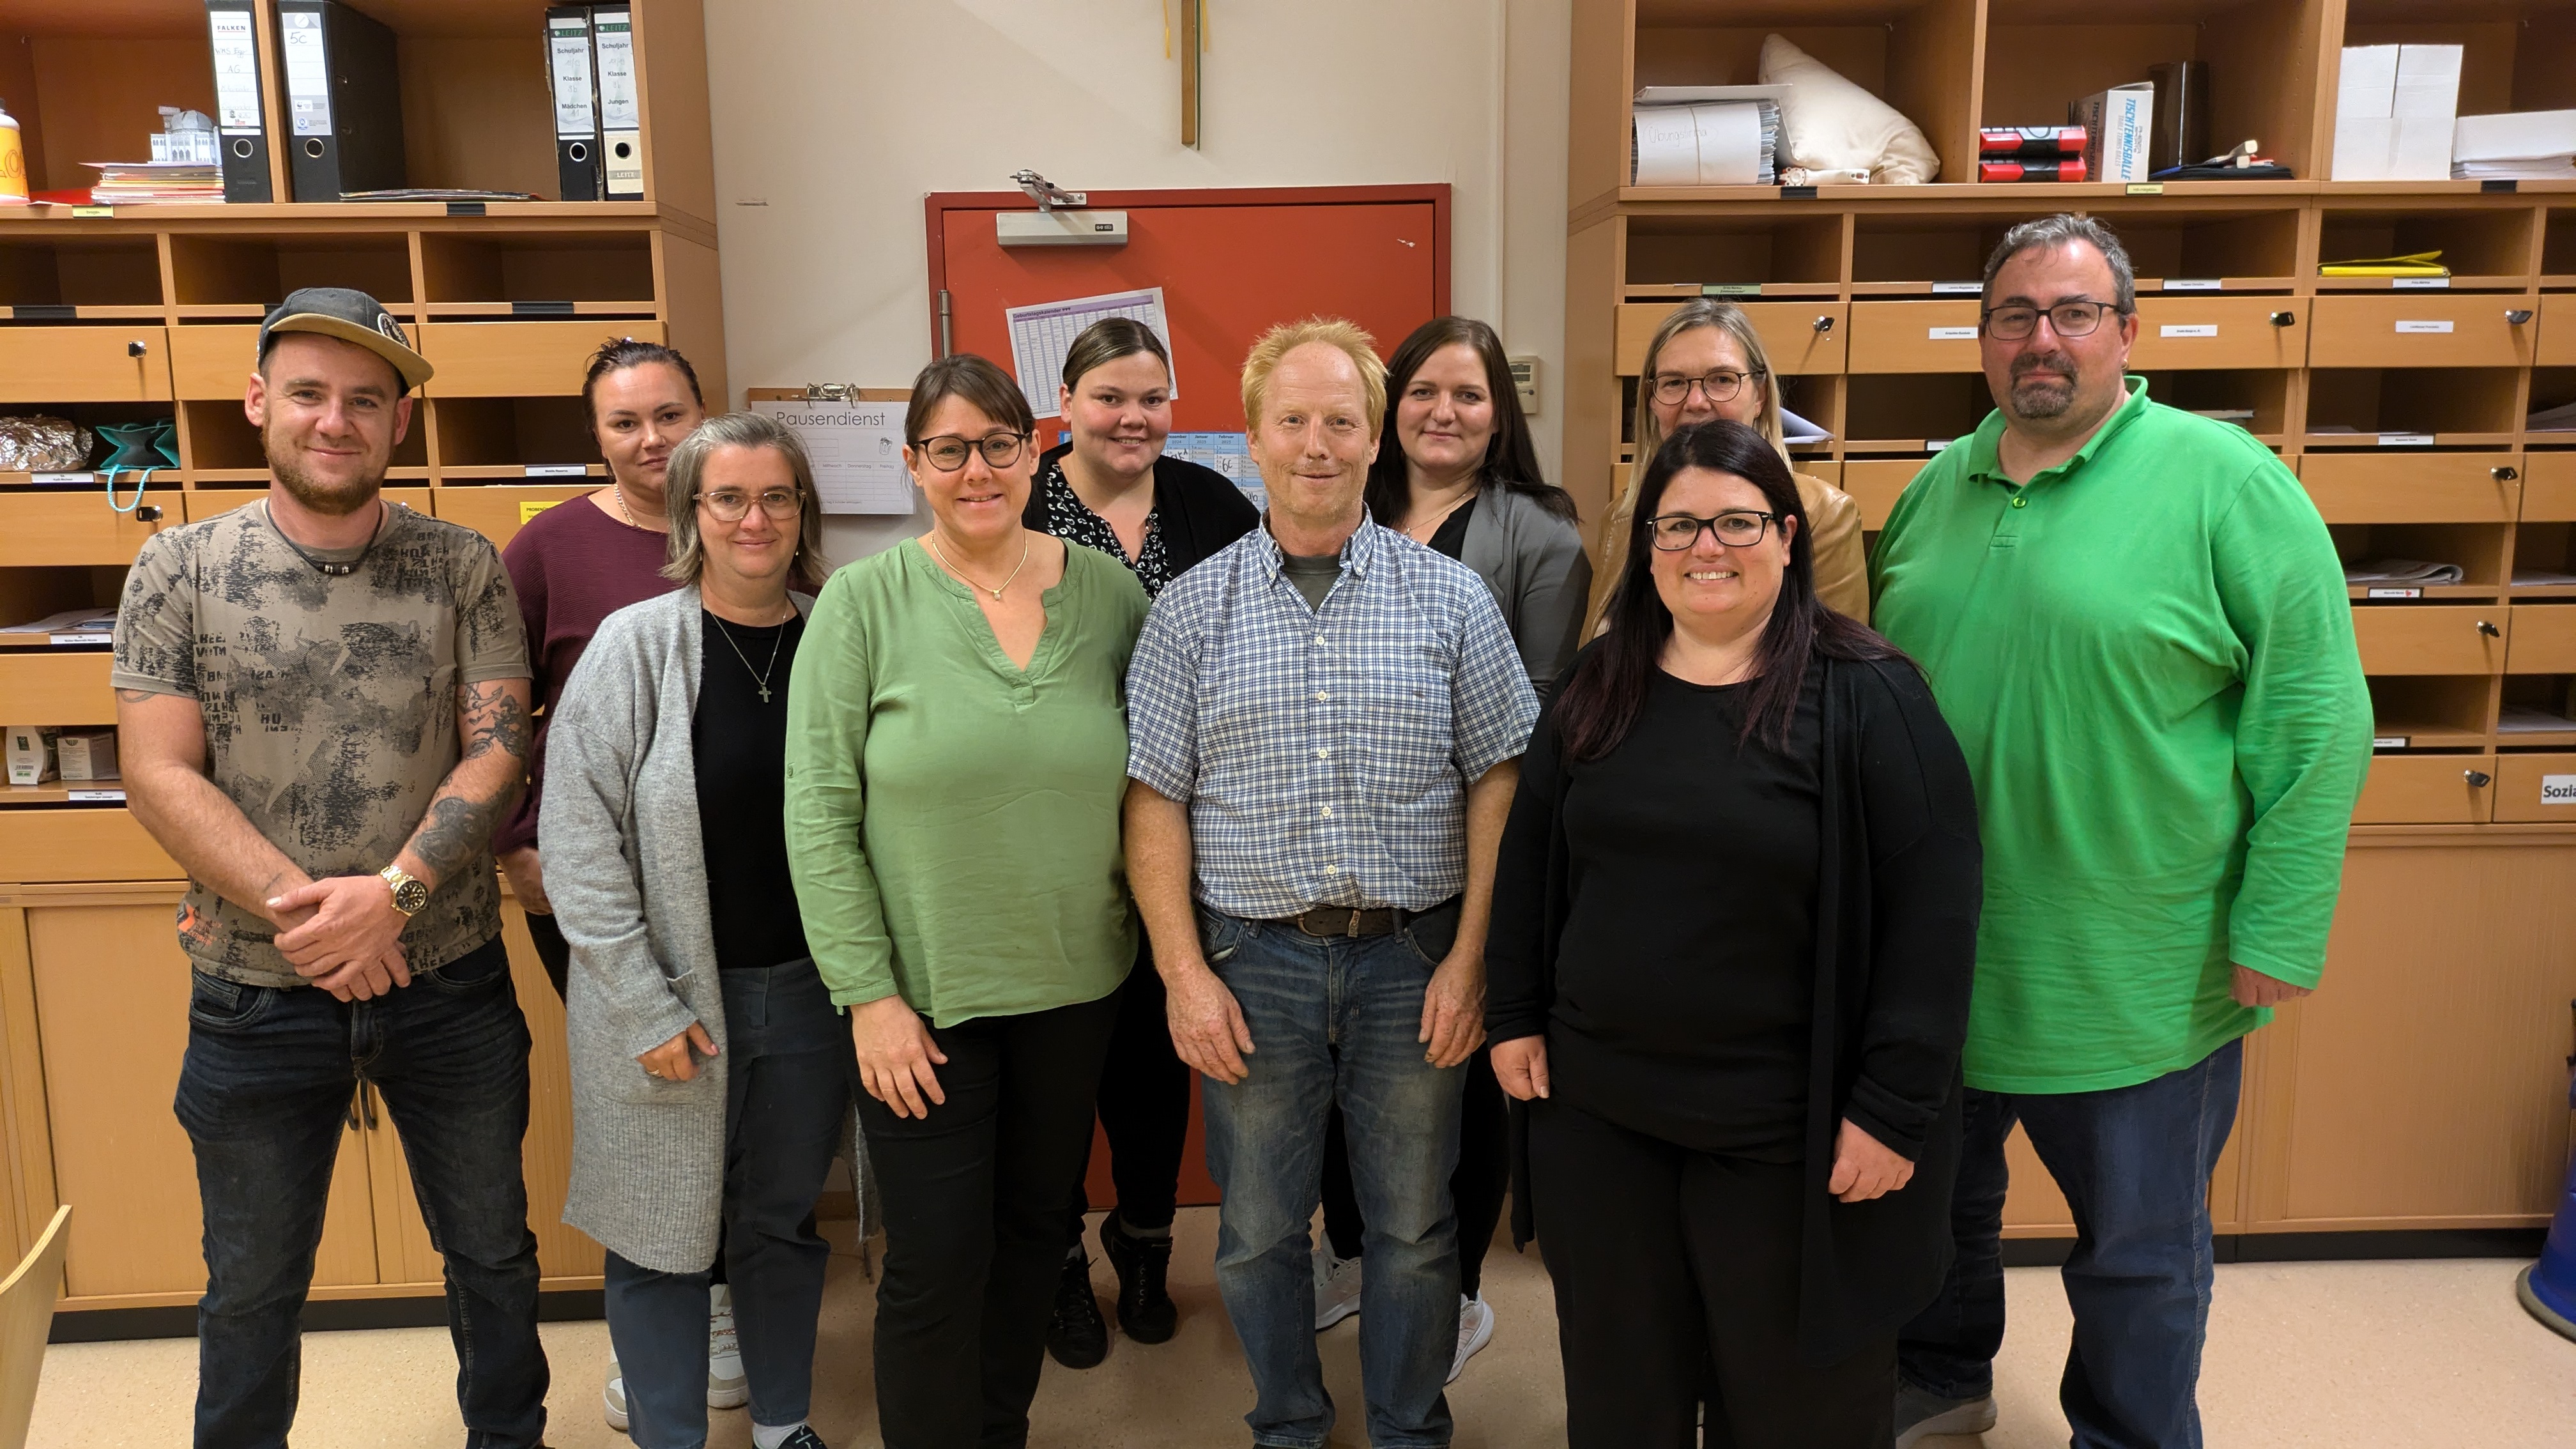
column 956, row 754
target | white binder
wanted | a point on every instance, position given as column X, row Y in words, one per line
column 621, row 118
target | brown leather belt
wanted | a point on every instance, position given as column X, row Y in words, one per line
column 1345, row 921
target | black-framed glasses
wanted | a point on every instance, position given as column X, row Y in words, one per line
column 948, row 451
column 2013, row 321
column 732, row 505
column 1719, row 386
column 1736, row 528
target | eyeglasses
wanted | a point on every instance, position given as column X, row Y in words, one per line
column 1717, row 387
column 948, row 451
column 2066, row 319
column 1736, row 528
column 732, row 505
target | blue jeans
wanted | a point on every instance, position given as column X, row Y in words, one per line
column 1335, row 1021
column 263, row 1091
column 2134, row 1163
column 789, row 1074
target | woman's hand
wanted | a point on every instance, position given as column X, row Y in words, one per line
column 896, row 1051
column 1521, row 1066
column 1864, row 1167
column 671, row 1060
column 527, row 879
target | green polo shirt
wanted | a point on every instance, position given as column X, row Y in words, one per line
column 2147, row 654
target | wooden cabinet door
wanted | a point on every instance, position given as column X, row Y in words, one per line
column 2191, row 331
column 403, row 1250
column 1799, row 337
column 2422, row 329
column 59, row 687
column 1915, row 337
column 2549, row 485
column 2423, row 488
column 209, row 362
column 84, row 364
column 49, row 529
column 2424, row 1085
column 2431, row 638
column 2544, row 639
column 111, row 990
column 1874, row 484
column 499, row 510
column 2558, row 330
column 2427, row 790
column 518, row 359
column 2536, row 788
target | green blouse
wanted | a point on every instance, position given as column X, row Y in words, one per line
column 953, row 820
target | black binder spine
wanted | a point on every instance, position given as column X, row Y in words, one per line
column 573, row 80
column 241, row 118
column 343, row 100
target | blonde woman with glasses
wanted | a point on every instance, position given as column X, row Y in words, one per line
column 956, row 760
column 1704, row 363
column 710, row 1070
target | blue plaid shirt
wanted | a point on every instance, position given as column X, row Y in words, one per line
column 1325, row 753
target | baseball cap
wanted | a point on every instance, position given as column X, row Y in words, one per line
column 351, row 316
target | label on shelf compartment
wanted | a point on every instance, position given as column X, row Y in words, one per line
column 2188, row 329
column 2193, row 284
column 2393, row 593
column 62, row 478
column 557, row 470
column 2420, row 283
column 59, row 640
column 1934, row 445
column 1954, row 334
column 95, row 797
column 1958, row 289
column 2558, row 789
column 1730, row 289
column 2424, row 325
column 2388, row 742
column 2406, row 440
column 531, row 507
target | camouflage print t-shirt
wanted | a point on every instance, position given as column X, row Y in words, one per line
column 330, row 704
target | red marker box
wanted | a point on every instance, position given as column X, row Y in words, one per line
column 2070, row 168
column 2039, row 142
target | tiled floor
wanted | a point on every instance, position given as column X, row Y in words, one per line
column 2349, row 1355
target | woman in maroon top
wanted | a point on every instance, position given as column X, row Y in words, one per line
column 576, row 564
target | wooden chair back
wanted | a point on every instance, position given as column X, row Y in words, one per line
column 26, row 1321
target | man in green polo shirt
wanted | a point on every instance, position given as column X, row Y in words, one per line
column 2137, row 625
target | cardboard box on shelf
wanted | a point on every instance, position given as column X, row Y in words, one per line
column 2118, row 131
column 86, row 754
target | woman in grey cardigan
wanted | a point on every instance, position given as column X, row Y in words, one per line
column 1455, row 471
column 710, row 1070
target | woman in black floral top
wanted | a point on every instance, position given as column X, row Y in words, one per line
column 1109, row 487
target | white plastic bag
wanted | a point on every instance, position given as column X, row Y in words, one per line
column 1829, row 124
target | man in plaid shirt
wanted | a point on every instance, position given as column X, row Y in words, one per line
column 1324, row 724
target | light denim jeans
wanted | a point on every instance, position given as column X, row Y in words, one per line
column 1335, row 1021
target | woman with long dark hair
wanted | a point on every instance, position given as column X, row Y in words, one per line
column 1456, row 472
column 1734, row 928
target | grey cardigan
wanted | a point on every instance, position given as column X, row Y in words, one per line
column 626, row 870
column 1540, row 574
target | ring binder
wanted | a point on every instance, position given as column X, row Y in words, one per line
column 569, row 73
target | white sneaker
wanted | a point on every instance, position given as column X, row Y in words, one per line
column 613, row 1398
column 1475, row 1330
column 726, row 1387
column 1337, row 1286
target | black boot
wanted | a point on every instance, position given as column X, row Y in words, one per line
column 1076, row 1336
column 1146, row 1312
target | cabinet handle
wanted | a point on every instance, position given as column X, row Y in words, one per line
column 2478, row 779
column 2517, row 315
column 137, row 348
column 1824, row 324
column 2490, row 630
column 2285, row 319
column 2503, row 475
column 147, row 513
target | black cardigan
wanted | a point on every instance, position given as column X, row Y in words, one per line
column 1198, row 509
column 1899, row 884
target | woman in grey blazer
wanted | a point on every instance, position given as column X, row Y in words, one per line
column 710, row 1070
column 1455, row 471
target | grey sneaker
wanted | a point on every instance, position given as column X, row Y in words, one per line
column 1337, row 1287
column 1921, row 1413
column 726, row 1386
column 612, row 1399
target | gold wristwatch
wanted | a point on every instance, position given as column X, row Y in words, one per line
column 409, row 894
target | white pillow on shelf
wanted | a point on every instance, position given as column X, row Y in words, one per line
column 1829, row 124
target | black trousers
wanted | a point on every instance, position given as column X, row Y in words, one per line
column 1145, row 1109
column 553, row 951
column 1476, row 1187
column 974, row 1211
column 1668, row 1260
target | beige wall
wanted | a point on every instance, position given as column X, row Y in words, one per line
column 833, row 118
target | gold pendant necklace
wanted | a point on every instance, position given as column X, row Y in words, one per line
column 942, row 555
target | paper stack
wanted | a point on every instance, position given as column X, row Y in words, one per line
column 2395, row 106
column 136, row 182
column 2518, row 145
column 1705, row 136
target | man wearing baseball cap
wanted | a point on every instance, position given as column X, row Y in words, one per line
column 322, row 700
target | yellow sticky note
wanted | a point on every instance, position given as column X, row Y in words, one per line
column 531, row 507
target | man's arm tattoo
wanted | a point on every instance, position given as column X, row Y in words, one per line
column 494, row 719
column 136, row 696
column 456, row 827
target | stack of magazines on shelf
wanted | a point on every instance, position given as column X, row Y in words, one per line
column 135, row 183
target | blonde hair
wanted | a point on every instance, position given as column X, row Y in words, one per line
column 687, row 474
column 1349, row 338
column 1690, row 317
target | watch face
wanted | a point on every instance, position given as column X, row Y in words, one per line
column 410, row 896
